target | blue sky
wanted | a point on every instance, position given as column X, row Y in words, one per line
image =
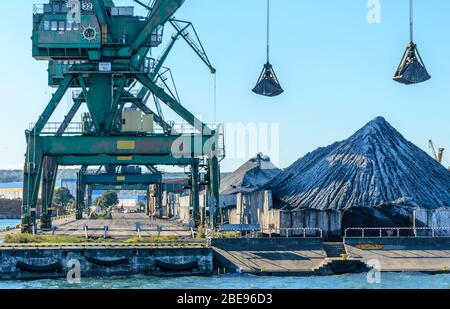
column 335, row 67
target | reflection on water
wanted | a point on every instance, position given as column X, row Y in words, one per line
column 353, row 281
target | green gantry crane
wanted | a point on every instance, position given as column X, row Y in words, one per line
column 101, row 50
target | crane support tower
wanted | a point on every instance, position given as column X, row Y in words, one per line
column 100, row 51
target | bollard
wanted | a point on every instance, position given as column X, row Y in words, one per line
column 138, row 229
column 159, row 230
column 208, row 236
column 105, row 233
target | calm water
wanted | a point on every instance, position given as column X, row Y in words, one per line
column 388, row 281
column 7, row 222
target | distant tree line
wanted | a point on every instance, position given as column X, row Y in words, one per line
column 8, row 176
column 11, row 176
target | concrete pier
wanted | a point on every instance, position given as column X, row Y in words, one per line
column 403, row 254
column 55, row 261
column 269, row 256
column 183, row 255
column 123, row 226
column 308, row 256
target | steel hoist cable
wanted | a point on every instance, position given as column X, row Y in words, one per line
column 411, row 69
column 268, row 31
column 268, row 84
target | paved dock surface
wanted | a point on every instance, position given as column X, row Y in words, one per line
column 392, row 259
column 265, row 257
column 123, row 226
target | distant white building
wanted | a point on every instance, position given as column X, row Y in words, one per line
column 129, row 204
column 11, row 193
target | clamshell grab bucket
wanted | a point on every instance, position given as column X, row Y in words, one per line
column 268, row 84
column 411, row 69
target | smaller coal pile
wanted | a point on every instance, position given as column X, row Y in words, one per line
column 251, row 176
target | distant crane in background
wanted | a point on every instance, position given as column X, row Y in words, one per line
column 439, row 155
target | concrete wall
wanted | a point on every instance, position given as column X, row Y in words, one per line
column 434, row 218
column 141, row 261
column 228, row 200
column 255, row 208
column 184, row 207
column 272, row 244
column 402, row 242
column 327, row 220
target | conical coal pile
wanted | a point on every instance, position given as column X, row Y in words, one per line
column 376, row 166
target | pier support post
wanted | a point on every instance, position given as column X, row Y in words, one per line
column 195, row 195
column 50, row 169
column 89, row 195
column 81, row 188
column 31, row 180
column 214, row 184
column 159, row 202
column 147, row 202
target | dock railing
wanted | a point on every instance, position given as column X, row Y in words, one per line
column 396, row 232
column 256, row 230
column 302, row 232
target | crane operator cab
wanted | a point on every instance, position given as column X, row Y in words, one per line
column 71, row 34
column 71, row 29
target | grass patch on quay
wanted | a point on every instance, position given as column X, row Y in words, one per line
column 149, row 240
column 42, row 239
column 62, row 239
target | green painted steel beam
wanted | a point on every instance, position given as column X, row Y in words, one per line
column 162, row 11
column 100, row 12
column 115, row 104
column 127, row 160
column 122, row 187
column 53, row 104
column 179, row 146
column 127, row 98
column 119, row 179
column 174, row 104
column 69, row 117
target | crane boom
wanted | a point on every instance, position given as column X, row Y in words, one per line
column 433, row 150
column 440, row 154
column 193, row 41
column 163, row 10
